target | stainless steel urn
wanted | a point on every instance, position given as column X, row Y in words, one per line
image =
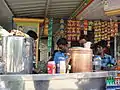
column 17, row 54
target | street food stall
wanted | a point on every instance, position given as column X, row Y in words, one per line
column 21, row 66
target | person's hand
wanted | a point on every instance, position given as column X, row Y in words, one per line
column 82, row 41
column 68, row 54
column 69, row 58
column 66, row 49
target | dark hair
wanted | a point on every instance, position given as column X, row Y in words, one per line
column 103, row 43
column 32, row 34
column 82, row 37
column 75, row 44
column 86, row 37
column 62, row 41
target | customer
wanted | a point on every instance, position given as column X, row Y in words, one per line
column 106, row 60
column 105, row 47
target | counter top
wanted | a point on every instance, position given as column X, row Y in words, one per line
column 29, row 77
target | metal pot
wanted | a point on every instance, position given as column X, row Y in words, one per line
column 81, row 59
column 17, row 54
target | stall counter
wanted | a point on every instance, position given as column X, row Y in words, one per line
column 72, row 81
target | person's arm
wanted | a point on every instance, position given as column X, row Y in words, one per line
column 113, row 62
column 55, row 58
column 68, row 59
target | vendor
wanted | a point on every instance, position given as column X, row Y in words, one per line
column 62, row 53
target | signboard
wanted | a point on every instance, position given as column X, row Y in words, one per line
column 26, row 26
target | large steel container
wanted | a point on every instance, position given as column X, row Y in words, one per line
column 81, row 59
column 17, row 54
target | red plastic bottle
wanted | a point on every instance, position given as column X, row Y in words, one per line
column 51, row 67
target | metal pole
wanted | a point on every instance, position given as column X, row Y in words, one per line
column 47, row 6
column 115, row 47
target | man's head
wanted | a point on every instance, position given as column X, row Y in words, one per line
column 32, row 34
column 82, row 40
column 101, row 46
column 103, row 43
column 62, row 44
column 99, row 50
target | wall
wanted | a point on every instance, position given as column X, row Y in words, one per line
column 5, row 16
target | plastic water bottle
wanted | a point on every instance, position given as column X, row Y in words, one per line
column 97, row 63
column 58, row 67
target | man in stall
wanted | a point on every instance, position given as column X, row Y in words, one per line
column 63, row 52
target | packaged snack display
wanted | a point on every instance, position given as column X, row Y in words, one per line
column 73, row 30
column 90, row 25
column 97, row 31
column 85, row 25
column 62, row 25
column 102, row 30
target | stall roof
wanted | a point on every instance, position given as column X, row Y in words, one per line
column 95, row 11
column 5, row 15
column 40, row 8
